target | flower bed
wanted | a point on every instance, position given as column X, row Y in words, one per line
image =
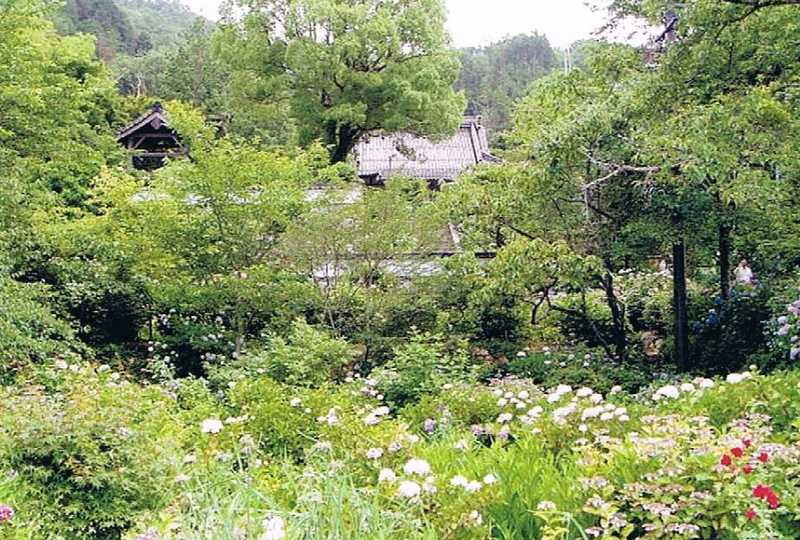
column 693, row 459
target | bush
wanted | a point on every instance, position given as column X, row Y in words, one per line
column 783, row 334
column 306, row 357
column 87, row 461
column 726, row 338
column 579, row 367
column 29, row 331
column 423, row 366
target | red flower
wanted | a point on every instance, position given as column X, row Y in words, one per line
column 772, row 500
column 747, row 469
column 738, row 452
column 726, row 460
column 766, row 493
column 751, row 514
column 747, row 443
column 763, row 457
column 761, row 491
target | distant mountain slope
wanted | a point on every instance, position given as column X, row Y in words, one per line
column 496, row 76
column 126, row 27
column 162, row 20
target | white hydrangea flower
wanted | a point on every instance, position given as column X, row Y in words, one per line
column 504, row 418
column 417, row 466
column 473, row 486
column 374, row 453
column 295, row 402
column 387, row 475
column 459, row 481
column 687, row 387
column 211, row 425
column 553, row 398
column 489, row 479
column 669, row 391
column 536, row 411
column 409, row 490
column 584, row 392
column 274, row 529
column 524, row 394
column 591, row 412
column 736, row 378
column 332, row 418
column 546, row 506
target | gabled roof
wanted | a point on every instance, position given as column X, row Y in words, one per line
column 402, row 154
column 156, row 117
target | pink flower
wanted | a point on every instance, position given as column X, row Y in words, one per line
column 763, row 457
column 737, row 452
column 6, row 513
column 751, row 514
column 726, row 460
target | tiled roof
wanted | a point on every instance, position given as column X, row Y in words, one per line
column 403, row 154
column 154, row 114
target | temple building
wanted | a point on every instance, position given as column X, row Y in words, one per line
column 382, row 156
column 151, row 141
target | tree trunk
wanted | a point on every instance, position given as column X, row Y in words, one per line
column 618, row 318
column 680, row 305
column 725, row 262
column 239, row 342
column 345, row 140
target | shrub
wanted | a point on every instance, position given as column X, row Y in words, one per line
column 783, row 334
column 89, row 459
column 306, row 357
column 579, row 367
column 29, row 331
column 423, row 366
column 725, row 339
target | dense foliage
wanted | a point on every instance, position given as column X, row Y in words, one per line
column 597, row 337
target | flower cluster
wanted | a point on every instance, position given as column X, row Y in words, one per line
column 785, row 331
column 6, row 513
column 767, row 494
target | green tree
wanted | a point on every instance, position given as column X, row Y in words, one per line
column 347, row 68
column 359, row 246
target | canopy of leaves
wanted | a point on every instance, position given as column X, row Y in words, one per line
column 346, row 68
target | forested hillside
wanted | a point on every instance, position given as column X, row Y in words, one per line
column 164, row 21
column 125, row 27
column 216, row 323
column 496, row 76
